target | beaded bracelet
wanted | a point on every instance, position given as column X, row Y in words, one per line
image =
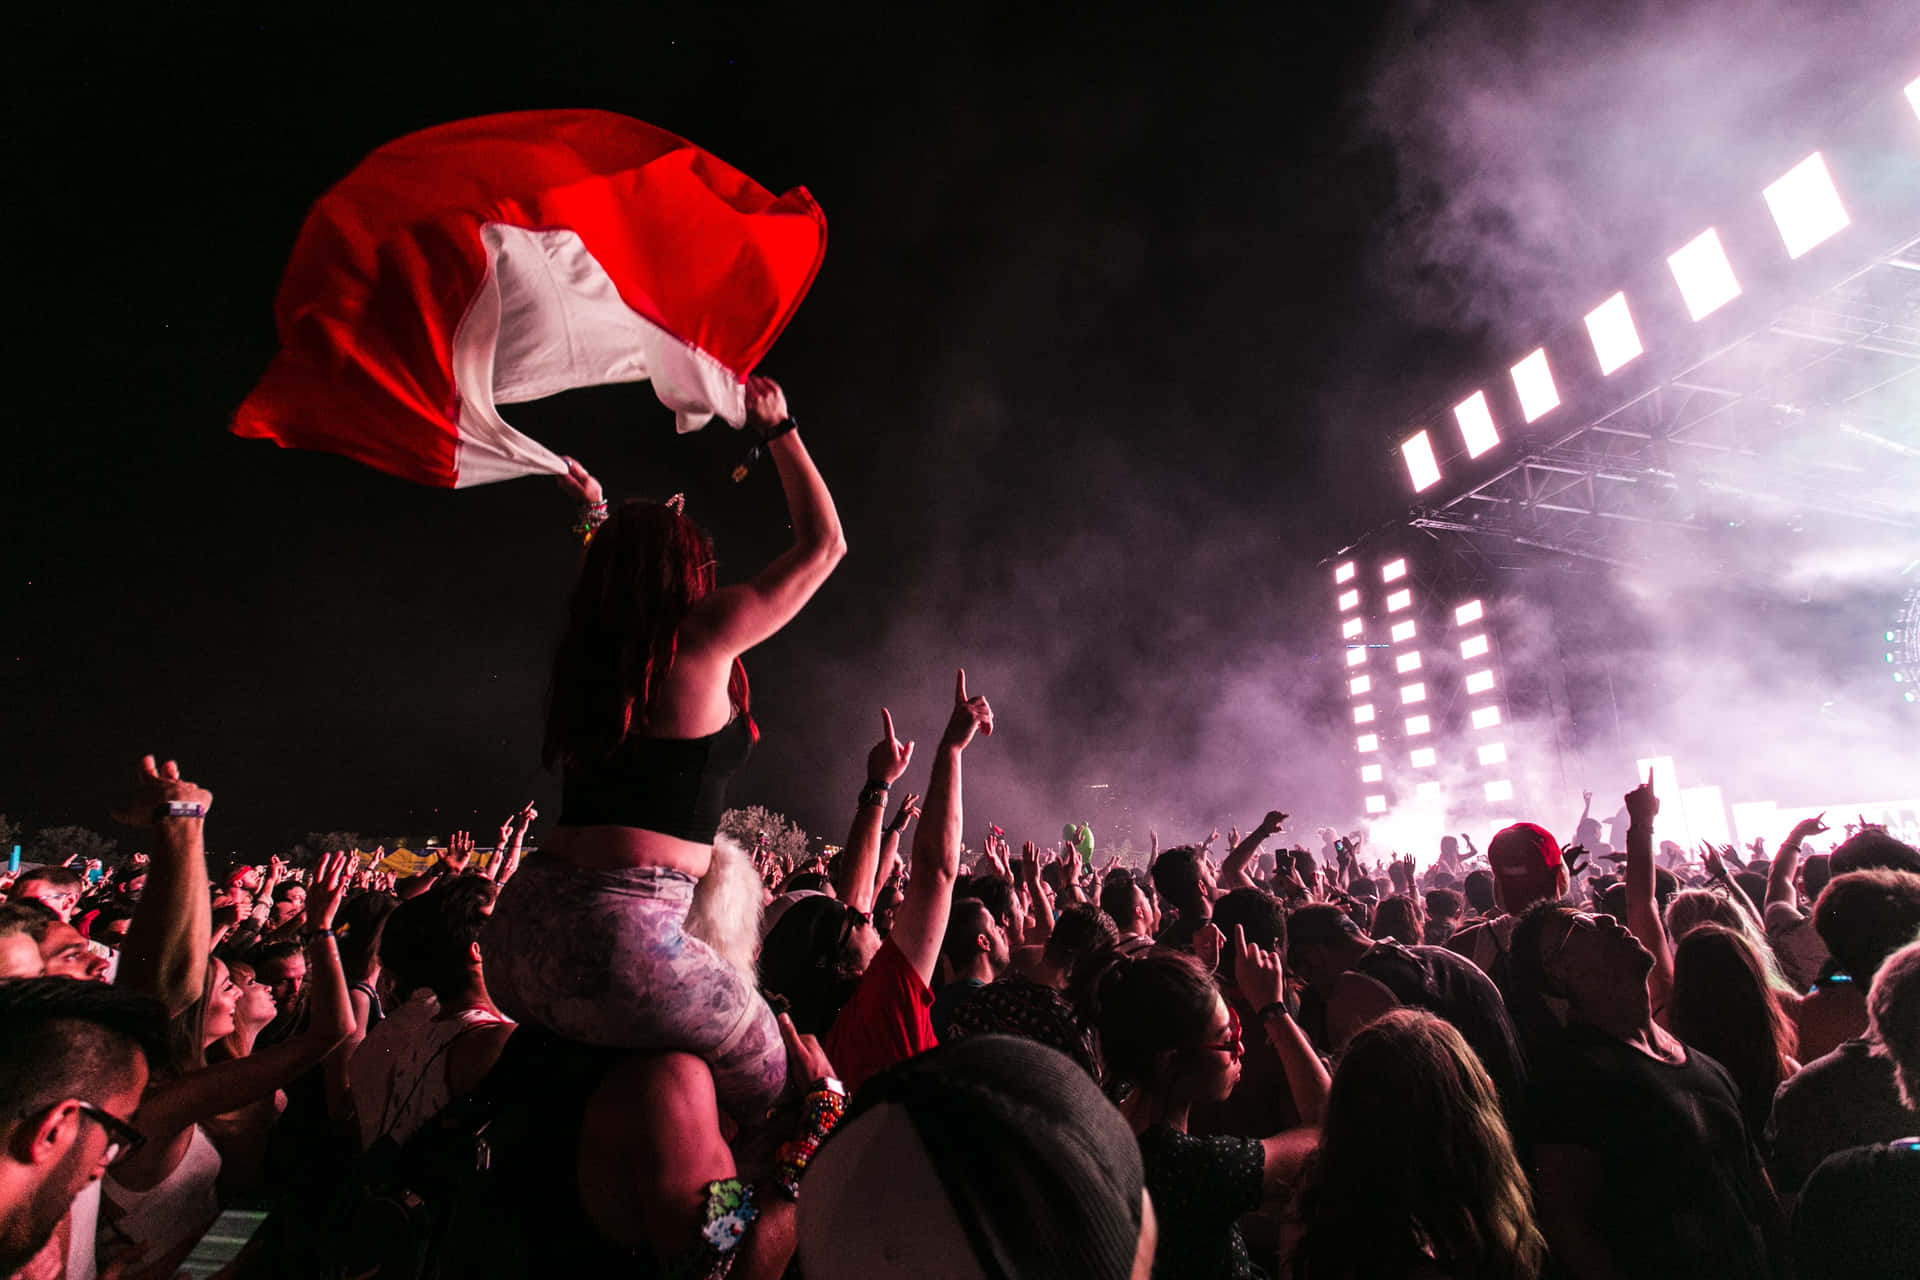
column 823, row 1110
column 592, row 516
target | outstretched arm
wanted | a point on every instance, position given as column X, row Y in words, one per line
column 1643, row 910
column 167, row 940
column 1786, row 860
column 921, row 922
column 731, row 620
column 1233, row 872
column 857, row 880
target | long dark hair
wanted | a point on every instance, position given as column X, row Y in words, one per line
column 1140, row 1008
column 1723, row 1007
column 644, row 570
column 1415, row 1158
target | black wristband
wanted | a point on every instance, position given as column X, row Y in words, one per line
column 874, row 793
column 769, row 434
column 1267, row 1011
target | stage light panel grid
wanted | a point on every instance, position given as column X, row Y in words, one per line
column 1344, row 573
column 1805, row 206
column 1533, row 382
column 1401, row 599
column 1479, row 681
column 1476, row 424
column 1359, row 685
column 1468, row 612
column 1356, row 655
column 1473, row 647
column 1705, row 277
column 1426, row 790
column 1493, row 753
column 1502, row 789
column 1371, row 773
column 1407, row 662
column 1615, row 341
column 1363, row 714
column 1376, row 804
column 1417, row 449
column 1351, row 628
column 1417, row 725
column 1400, row 632
column 1393, row 570
column 1415, row 692
column 1485, row 717
column 1423, row 757
column 1367, row 742
column 1348, row 599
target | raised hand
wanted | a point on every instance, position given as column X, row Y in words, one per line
column 154, row 786
column 1808, row 827
column 580, row 484
column 807, row 1062
column 971, row 715
column 1711, row 857
column 1642, row 804
column 766, row 403
column 329, row 886
column 1030, row 862
column 889, row 757
column 1256, row 971
column 1275, row 820
column 459, row 851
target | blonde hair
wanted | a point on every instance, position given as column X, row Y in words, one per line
column 727, row 906
column 1691, row 908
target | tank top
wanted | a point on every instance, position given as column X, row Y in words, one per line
column 419, row 1086
column 676, row 786
column 179, row 1208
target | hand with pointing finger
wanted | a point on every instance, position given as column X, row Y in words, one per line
column 889, row 757
column 971, row 715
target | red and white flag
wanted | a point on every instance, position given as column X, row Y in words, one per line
column 509, row 257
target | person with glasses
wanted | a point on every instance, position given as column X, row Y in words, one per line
column 73, row 1065
column 1168, row 1042
column 1643, row 1163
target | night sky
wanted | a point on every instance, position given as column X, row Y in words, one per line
column 1108, row 350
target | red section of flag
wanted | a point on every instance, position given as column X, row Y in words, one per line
column 388, row 261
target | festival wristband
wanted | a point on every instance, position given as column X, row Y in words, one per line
column 874, row 793
column 179, row 809
column 821, row 1111
column 1267, row 1011
column 779, row 429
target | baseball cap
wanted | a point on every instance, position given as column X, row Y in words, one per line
column 1522, row 852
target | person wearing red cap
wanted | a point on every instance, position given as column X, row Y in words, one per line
column 1527, row 869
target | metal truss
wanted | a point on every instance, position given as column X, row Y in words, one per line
column 1807, row 420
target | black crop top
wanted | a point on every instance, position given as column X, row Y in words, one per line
column 676, row 786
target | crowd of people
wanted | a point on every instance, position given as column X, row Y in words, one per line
column 646, row 1051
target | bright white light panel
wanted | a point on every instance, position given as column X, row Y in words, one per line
column 1393, row 571
column 1356, row 655
column 1351, row 628
column 1704, row 275
column 1370, row 773
column 1344, row 573
column 1363, row 714
column 1615, row 340
column 1401, row 599
column 1476, row 424
column 1421, row 468
column 1407, row 662
column 1415, row 692
column 1348, row 599
column 1417, row 725
column 1473, row 647
column 1401, row 631
column 1367, row 742
column 1501, row 790
column 1376, row 804
column 1423, row 757
column 1359, row 685
column 1486, row 717
column 1479, row 681
column 1533, row 380
column 1468, row 612
column 1913, row 96
column 1426, row 790
column 1493, row 753
column 1805, row 206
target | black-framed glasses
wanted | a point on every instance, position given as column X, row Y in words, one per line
column 122, row 1138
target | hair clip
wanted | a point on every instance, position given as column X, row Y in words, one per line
column 677, row 504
